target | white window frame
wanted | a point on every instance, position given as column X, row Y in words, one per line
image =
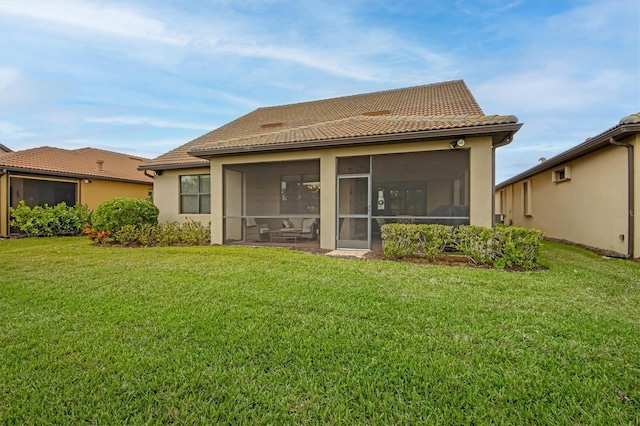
column 562, row 174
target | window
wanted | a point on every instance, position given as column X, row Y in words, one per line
column 503, row 202
column 195, row 194
column 561, row 175
column 527, row 198
column 300, row 194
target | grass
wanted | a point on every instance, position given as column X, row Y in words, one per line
column 242, row 335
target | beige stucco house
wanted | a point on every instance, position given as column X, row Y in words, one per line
column 48, row 175
column 586, row 195
column 334, row 170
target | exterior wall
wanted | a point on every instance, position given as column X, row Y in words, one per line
column 166, row 195
column 481, row 181
column 481, row 187
column 590, row 208
column 4, row 205
column 98, row 191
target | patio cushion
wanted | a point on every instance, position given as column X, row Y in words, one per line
column 297, row 222
column 307, row 223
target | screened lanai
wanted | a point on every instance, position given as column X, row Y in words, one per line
column 279, row 202
column 275, row 202
column 418, row 187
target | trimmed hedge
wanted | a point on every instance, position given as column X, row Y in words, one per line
column 502, row 246
column 47, row 221
column 161, row 234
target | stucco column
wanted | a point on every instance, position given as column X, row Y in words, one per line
column 481, row 181
column 636, row 213
column 4, row 205
column 328, row 200
column 217, row 202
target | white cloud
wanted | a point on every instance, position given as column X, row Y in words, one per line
column 10, row 131
column 485, row 8
column 9, row 76
column 96, row 17
column 347, row 50
column 148, row 121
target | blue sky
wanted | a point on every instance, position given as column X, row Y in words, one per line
column 143, row 77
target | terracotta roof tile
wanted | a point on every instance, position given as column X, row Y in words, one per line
column 631, row 119
column 435, row 106
column 80, row 162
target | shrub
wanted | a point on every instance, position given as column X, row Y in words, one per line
column 516, row 247
column 399, row 240
column 118, row 212
column 434, row 239
column 163, row 234
column 502, row 246
column 169, row 233
column 195, row 233
column 475, row 242
column 48, row 221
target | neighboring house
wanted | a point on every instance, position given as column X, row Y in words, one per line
column 339, row 167
column 4, row 149
column 49, row 175
column 587, row 195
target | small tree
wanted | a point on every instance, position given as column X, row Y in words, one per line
column 113, row 214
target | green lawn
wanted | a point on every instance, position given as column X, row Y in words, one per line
column 239, row 335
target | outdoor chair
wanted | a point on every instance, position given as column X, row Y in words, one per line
column 254, row 231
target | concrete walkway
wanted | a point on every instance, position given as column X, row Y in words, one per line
column 353, row 254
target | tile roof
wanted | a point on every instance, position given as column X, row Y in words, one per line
column 81, row 162
column 448, row 105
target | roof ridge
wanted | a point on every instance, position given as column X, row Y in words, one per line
column 379, row 92
column 90, row 149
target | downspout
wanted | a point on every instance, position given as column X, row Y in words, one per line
column 631, row 200
column 147, row 174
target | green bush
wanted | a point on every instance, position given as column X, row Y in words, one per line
column 475, row 242
column 434, row 239
column 516, row 247
column 47, row 221
column 399, row 240
column 162, row 234
column 502, row 246
column 119, row 212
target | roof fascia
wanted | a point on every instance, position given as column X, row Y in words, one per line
column 587, row 147
column 172, row 166
column 70, row 175
column 509, row 128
